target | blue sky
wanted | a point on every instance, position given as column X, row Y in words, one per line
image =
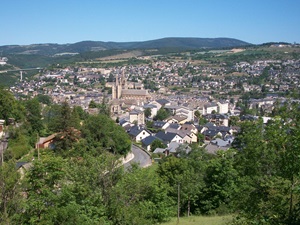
column 69, row 21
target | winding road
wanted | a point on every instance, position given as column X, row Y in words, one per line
column 140, row 157
column 3, row 145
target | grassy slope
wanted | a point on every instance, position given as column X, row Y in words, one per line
column 201, row 220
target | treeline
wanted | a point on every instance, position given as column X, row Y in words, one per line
column 80, row 180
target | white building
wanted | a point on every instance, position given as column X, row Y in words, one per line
column 223, row 107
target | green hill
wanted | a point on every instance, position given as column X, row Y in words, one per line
column 85, row 46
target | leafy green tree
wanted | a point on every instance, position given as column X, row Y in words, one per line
column 157, row 144
column 134, row 201
column 10, row 107
column 102, row 133
column 44, row 182
column 18, row 144
column 162, row 114
column 147, row 112
column 233, row 121
column 90, row 182
column 200, row 137
column 268, row 164
column 197, row 114
column 202, row 120
column 80, row 112
column 93, row 104
column 220, row 184
column 65, row 122
column 184, row 174
column 61, row 192
column 34, row 114
column 10, row 198
column 45, row 99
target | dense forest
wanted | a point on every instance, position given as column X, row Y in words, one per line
column 79, row 180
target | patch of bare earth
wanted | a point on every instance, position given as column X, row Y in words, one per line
column 125, row 55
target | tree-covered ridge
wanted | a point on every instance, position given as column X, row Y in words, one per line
column 86, row 46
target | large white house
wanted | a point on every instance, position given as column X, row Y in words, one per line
column 223, row 107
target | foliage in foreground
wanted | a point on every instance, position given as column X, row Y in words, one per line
column 80, row 180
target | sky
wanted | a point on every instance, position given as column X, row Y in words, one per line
column 68, row 21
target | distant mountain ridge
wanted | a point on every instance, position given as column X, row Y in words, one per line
column 85, row 46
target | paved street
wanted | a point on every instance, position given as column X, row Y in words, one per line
column 3, row 144
column 140, row 157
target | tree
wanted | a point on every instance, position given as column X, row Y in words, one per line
column 45, row 99
column 102, row 133
column 44, row 182
column 200, row 137
column 269, row 168
column 9, row 107
column 65, row 122
column 147, row 112
column 186, row 173
column 92, row 104
column 233, row 120
column 220, row 184
column 61, row 192
column 34, row 115
column 157, row 144
column 10, row 198
column 134, row 201
column 197, row 114
column 162, row 114
column 80, row 112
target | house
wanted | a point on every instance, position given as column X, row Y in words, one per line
column 187, row 136
column 167, row 137
column 217, row 119
column 218, row 144
column 201, row 128
column 223, row 107
column 146, row 142
column 2, row 127
column 174, row 148
column 46, row 142
column 189, row 127
column 212, row 149
column 209, row 108
column 211, row 134
column 160, row 103
column 23, row 167
column 123, row 122
column 185, row 112
column 138, row 133
column 212, row 129
column 153, row 109
column 160, row 125
column 137, row 116
column 177, row 119
column 159, row 151
column 173, row 128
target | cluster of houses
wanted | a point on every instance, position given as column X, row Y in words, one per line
column 180, row 129
column 124, row 88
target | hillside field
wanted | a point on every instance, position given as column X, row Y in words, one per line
column 201, row 220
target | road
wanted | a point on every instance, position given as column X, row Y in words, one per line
column 3, row 144
column 140, row 157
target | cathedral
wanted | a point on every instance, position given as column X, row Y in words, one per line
column 122, row 90
column 127, row 93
